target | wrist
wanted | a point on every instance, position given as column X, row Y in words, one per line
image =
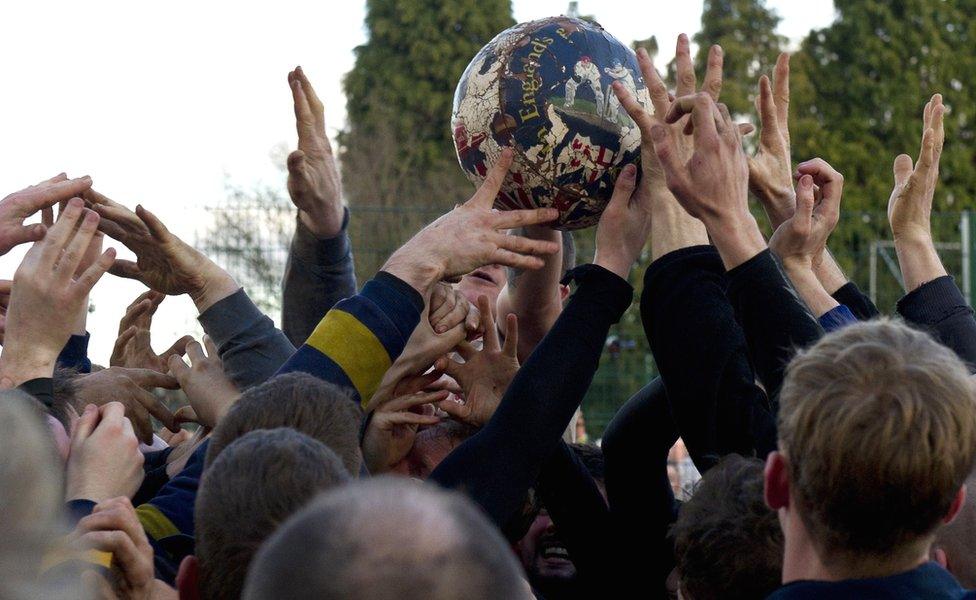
column 736, row 237
column 779, row 206
column 418, row 273
column 20, row 365
column 217, row 285
column 616, row 264
column 321, row 223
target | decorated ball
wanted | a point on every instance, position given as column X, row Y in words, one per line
column 544, row 89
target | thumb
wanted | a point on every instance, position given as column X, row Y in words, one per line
column 903, row 169
column 296, row 163
column 623, row 189
column 29, row 233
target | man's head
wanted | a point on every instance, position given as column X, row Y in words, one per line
column 542, row 551
column 314, row 407
column 877, row 433
column 486, row 281
column 431, row 446
column 727, row 542
column 257, row 482
column 386, row 539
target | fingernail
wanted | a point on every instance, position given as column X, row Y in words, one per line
column 629, row 172
column 806, row 181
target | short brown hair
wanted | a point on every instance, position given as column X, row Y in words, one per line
column 878, row 426
column 305, row 403
column 255, row 484
column 727, row 542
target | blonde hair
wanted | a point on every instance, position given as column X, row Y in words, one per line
column 878, row 425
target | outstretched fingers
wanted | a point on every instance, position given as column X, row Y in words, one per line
column 484, row 198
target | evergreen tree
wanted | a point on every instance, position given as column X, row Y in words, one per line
column 746, row 30
column 406, row 73
column 861, row 86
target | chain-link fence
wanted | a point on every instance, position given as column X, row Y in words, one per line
column 255, row 249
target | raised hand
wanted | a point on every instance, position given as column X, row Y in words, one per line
column 450, row 308
column 165, row 263
column 770, row 172
column 671, row 227
column 46, row 296
column 104, row 460
column 471, row 236
column 313, row 179
column 210, row 392
column 133, row 348
column 713, row 184
column 133, row 389
column 114, row 527
column 426, row 344
column 801, row 240
column 624, row 224
column 17, row 207
column 910, row 205
column 484, row 375
column 394, row 424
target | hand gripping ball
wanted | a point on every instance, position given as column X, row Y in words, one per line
column 544, row 88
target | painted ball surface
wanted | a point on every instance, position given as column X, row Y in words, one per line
column 544, row 89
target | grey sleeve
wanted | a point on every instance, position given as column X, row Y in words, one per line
column 250, row 346
column 318, row 274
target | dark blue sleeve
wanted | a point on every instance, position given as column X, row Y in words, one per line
column 940, row 308
column 250, row 346
column 497, row 465
column 318, row 274
column 168, row 517
column 75, row 354
column 837, row 318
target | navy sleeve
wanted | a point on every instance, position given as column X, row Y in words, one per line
column 851, row 296
column 776, row 323
column 75, row 354
column 703, row 357
column 250, row 346
column 318, row 274
column 940, row 308
column 498, row 464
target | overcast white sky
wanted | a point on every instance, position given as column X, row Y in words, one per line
column 161, row 101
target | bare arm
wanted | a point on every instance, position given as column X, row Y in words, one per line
column 535, row 297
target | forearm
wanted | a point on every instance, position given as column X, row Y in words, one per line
column 357, row 341
column 498, row 464
column 580, row 513
column 919, row 262
column 736, row 237
column 773, row 319
column 808, row 286
column 672, row 228
column 533, row 296
column 938, row 306
column 702, row 355
column 251, row 348
column 319, row 273
column 829, row 273
column 635, row 446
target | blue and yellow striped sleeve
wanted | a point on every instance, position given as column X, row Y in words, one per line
column 356, row 342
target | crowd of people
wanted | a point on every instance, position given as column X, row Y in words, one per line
column 408, row 439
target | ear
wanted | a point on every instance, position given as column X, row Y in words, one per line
column 957, row 503
column 563, row 292
column 188, row 579
column 777, row 483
